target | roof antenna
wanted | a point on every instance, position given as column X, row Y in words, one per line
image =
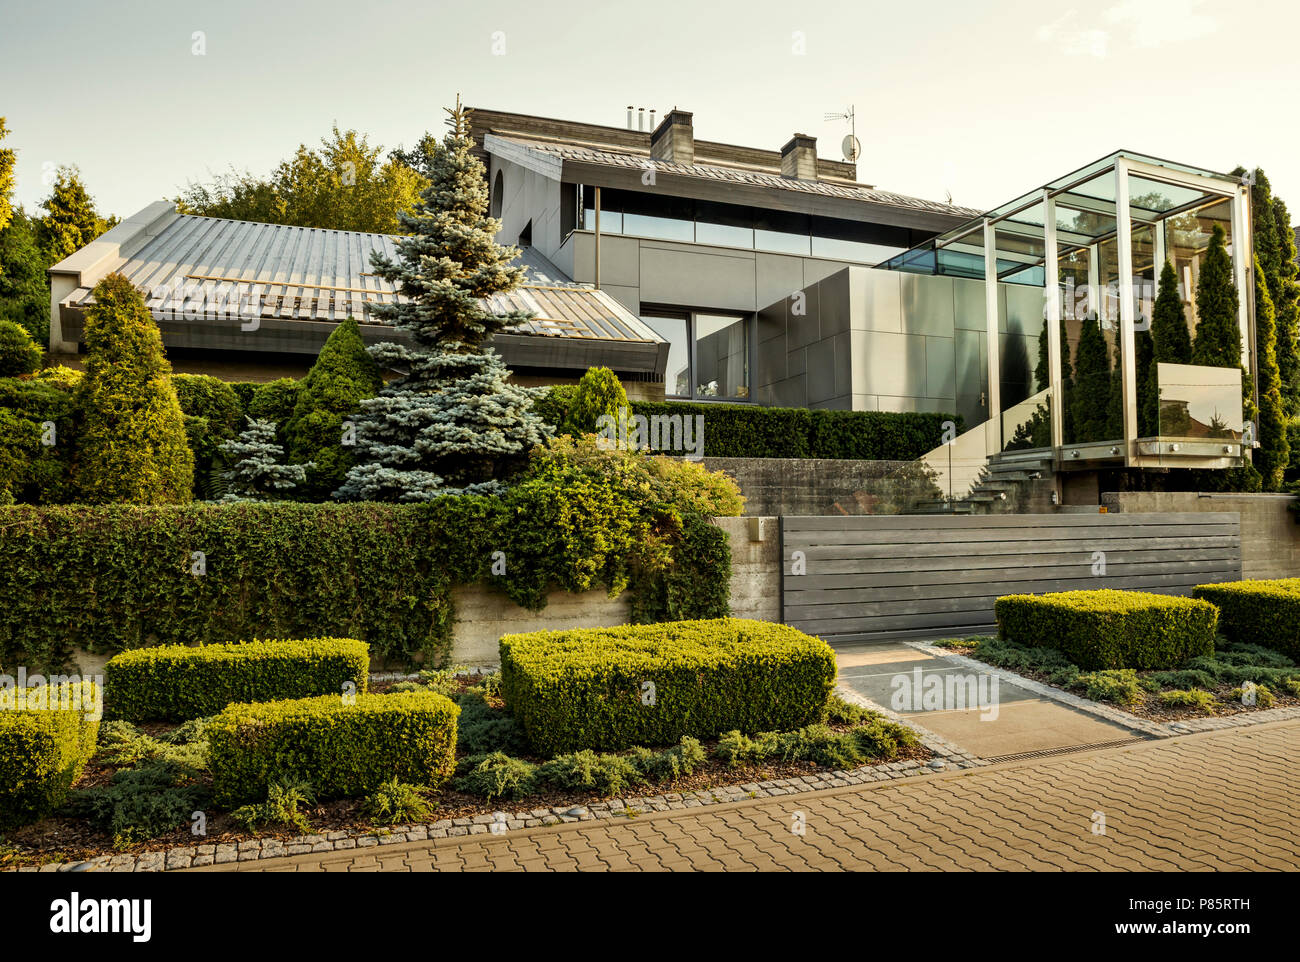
column 851, row 147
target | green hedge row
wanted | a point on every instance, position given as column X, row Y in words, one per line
column 111, row 578
column 1108, row 629
column 1265, row 613
column 608, row 689
column 341, row 748
column 749, row 431
column 44, row 749
column 177, row 682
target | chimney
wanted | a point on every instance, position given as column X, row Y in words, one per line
column 674, row 139
column 630, row 124
column 640, row 118
column 799, row 158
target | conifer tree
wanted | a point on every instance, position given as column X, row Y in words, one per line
column 1286, row 304
column 1171, row 343
column 1274, row 453
column 1092, row 383
column 71, row 221
column 8, row 158
column 331, row 393
column 1218, row 334
column 258, row 472
column 131, row 444
column 450, row 422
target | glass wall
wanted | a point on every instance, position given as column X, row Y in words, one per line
column 1187, row 237
column 1199, row 403
column 1115, row 405
column 1021, row 309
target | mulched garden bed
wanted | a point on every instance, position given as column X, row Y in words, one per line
column 73, row 839
column 1150, row 708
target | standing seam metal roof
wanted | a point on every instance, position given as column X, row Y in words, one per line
column 196, row 266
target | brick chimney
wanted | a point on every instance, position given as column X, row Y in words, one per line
column 799, row 158
column 674, row 139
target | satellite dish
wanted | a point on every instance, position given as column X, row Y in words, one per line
column 851, row 148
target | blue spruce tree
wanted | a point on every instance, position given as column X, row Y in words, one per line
column 258, row 473
column 450, row 423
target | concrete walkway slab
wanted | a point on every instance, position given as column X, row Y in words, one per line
column 996, row 720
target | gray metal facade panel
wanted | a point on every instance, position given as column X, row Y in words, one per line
column 873, row 578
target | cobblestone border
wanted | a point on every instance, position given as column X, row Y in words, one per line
column 1119, row 716
column 180, row 857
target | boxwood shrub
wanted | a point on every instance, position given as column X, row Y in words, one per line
column 1263, row 613
column 608, row 689
column 749, row 431
column 44, row 749
column 342, row 749
column 177, row 682
column 1110, row 629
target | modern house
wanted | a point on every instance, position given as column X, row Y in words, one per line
column 711, row 272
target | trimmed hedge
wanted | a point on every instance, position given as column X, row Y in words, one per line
column 1265, row 613
column 1109, row 629
column 749, row 431
column 43, row 751
column 342, row 750
column 178, row 682
column 111, row 578
column 584, row 688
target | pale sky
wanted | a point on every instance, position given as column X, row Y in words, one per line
column 983, row 100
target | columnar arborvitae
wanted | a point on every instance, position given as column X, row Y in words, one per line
column 451, row 422
column 1171, row 343
column 131, row 443
column 1218, row 334
column 1274, row 453
column 1092, row 384
column 1146, row 384
column 331, row 393
column 257, row 470
column 1286, row 304
column 1040, row 428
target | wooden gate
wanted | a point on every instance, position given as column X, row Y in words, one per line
column 913, row 576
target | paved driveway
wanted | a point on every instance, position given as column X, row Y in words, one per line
column 1225, row 800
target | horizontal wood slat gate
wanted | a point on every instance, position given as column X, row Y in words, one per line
column 873, row 578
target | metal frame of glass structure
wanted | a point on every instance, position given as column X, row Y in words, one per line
column 1023, row 241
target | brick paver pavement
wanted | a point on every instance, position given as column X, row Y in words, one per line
column 1227, row 800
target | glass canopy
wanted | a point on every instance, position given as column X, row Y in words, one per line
column 1071, row 272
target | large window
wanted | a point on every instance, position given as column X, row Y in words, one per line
column 663, row 217
column 708, row 354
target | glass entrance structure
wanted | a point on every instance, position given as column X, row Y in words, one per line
column 1070, row 275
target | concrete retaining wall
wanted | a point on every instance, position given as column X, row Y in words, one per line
column 775, row 486
column 484, row 615
column 1270, row 538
